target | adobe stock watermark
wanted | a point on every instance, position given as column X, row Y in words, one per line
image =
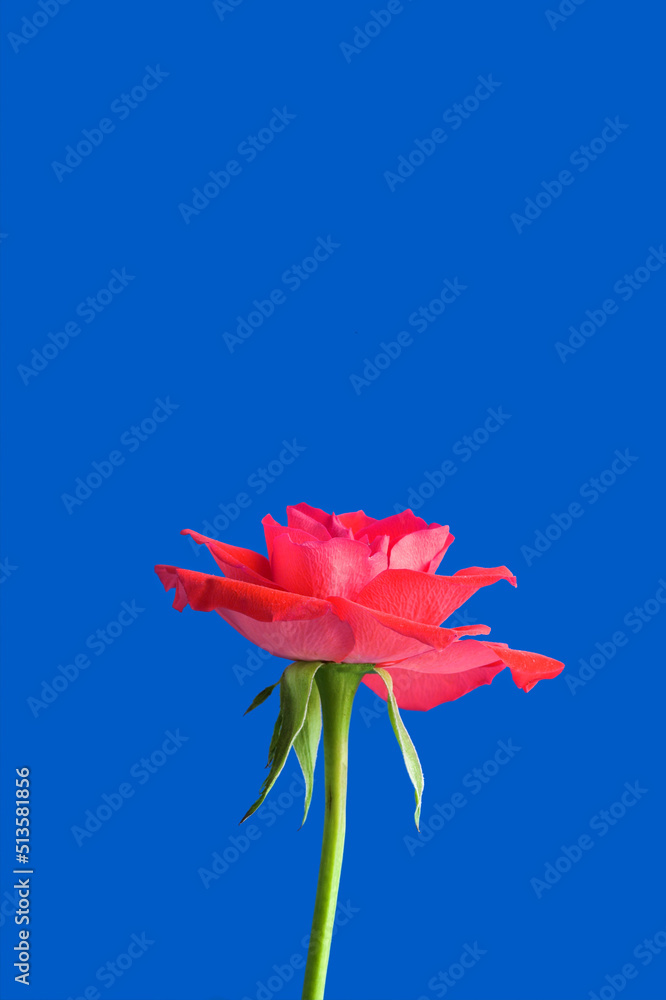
column 131, row 439
column 110, row 972
column 122, row 108
column 283, row 973
column 7, row 569
column 9, row 906
column 453, row 116
column 601, row 823
column 582, row 158
column 254, row 661
column 563, row 12
column 97, row 642
column 142, row 770
column 645, row 952
column 442, row 982
column 591, row 490
column 467, row 446
column 31, row 26
column 378, row 20
column 292, row 279
column 475, row 780
column 636, row 619
column 249, row 149
column 625, row 287
column 222, row 7
column 258, row 482
column 237, row 845
column 420, row 319
column 88, row 310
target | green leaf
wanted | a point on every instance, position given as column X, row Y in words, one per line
column 296, row 685
column 261, row 697
column 410, row 756
column 306, row 744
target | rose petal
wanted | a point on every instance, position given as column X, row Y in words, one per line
column 357, row 520
column 337, row 529
column 236, row 563
column 433, row 677
column 429, row 690
column 487, row 571
column 380, row 544
column 423, row 597
column 272, row 529
column 290, row 625
column 381, row 637
column 340, row 566
column 317, row 522
column 421, row 550
column 394, row 526
column 204, row 592
column 526, row 668
column 324, row 638
column 310, row 519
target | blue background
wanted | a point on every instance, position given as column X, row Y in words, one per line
column 67, row 573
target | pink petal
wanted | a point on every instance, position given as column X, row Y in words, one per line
column 289, row 625
column 204, row 592
column 464, row 630
column 381, row 637
column 421, row 550
column 526, row 668
column 357, row 520
column 380, row 544
column 433, row 677
column 320, row 524
column 310, row 519
column 236, row 563
column 394, row 526
column 324, row 638
column 423, row 597
column 340, row 566
column 272, row 529
column 429, row 690
column 503, row 572
column 337, row 529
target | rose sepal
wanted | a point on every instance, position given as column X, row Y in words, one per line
column 299, row 724
column 300, row 712
column 407, row 748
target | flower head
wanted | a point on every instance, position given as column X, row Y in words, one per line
column 349, row 588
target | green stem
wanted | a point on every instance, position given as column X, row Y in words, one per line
column 337, row 685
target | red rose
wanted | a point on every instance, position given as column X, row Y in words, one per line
column 350, row 589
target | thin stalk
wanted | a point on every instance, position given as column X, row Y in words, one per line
column 337, row 685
